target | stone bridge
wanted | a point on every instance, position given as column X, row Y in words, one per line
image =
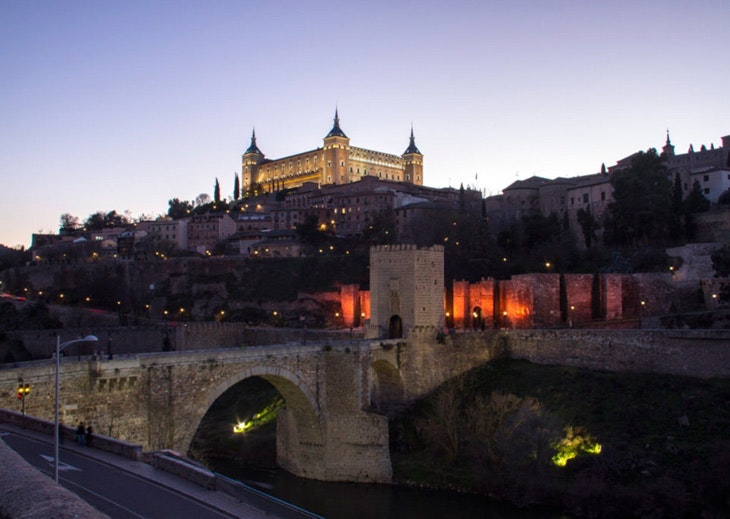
column 334, row 425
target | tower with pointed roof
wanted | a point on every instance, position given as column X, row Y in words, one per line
column 668, row 149
column 413, row 163
column 250, row 161
column 336, row 155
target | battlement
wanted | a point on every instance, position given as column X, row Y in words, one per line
column 401, row 247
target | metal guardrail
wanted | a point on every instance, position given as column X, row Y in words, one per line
column 262, row 500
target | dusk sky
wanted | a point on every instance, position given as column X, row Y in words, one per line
column 123, row 105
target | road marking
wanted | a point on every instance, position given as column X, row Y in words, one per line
column 61, row 465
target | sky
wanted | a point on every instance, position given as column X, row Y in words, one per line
column 124, row 105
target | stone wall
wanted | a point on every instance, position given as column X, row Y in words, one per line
column 693, row 353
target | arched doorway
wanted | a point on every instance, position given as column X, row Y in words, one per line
column 395, row 327
column 477, row 321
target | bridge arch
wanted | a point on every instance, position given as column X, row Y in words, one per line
column 387, row 386
column 300, row 404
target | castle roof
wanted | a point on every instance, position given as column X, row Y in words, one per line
column 336, row 131
column 252, row 147
column 412, row 148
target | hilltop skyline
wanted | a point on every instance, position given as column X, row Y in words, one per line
column 125, row 106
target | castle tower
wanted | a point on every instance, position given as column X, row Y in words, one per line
column 250, row 161
column 406, row 289
column 336, row 168
column 413, row 163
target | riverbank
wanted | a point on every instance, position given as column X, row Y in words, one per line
column 592, row 444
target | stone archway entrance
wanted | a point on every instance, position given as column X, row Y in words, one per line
column 395, row 327
column 477, row 318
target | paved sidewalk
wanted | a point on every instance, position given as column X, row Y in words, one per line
column 213, row 498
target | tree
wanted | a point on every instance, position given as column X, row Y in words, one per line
column 100, row 220
column 69, row 224
column 588, row 225
column 724, row 198
column 217, row 192
column 675, row 222
column 179, row 208
column 113, row 219
column 696, row 201
column 202, row 199
column 236, row 187
column 309, row 231
column 721, row 261
column 641, row 209
column 95, row 221
column 382, row 229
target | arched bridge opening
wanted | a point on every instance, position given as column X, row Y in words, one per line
column 264, row 411
column 386, row 391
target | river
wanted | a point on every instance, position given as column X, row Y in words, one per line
column 370, row 501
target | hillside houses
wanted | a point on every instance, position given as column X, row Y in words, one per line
column 265, row 225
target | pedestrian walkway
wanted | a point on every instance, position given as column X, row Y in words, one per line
column 213, row 498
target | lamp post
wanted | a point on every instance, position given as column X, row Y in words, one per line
column 59, row 347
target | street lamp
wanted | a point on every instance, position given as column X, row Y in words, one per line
column 59, row 347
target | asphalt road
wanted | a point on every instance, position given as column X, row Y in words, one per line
column 109, row 489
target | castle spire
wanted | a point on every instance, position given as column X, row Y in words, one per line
column 412, row 148
column 668, row 149
column 252, row 147
column 336, row 131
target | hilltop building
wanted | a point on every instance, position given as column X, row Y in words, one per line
column 336, row 162
column 593, row 193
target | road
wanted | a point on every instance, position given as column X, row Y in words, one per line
column 115, row 492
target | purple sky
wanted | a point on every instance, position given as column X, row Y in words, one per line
column 125, row 104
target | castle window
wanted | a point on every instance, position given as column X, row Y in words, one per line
column 603, row 195
column 706, row 178
column 585, row 198
column 707, row 190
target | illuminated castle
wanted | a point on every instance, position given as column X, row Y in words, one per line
column 336, row 162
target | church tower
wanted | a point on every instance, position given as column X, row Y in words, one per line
column 413, row 163
column 250, row 161
column 668, row 149
column 336, row 155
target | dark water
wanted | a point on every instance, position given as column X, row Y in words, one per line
column 350, row 500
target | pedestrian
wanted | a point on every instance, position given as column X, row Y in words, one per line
column 89, row 432
column 80, row 434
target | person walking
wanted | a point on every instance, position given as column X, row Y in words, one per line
column 89, row 432
column 80, row 434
